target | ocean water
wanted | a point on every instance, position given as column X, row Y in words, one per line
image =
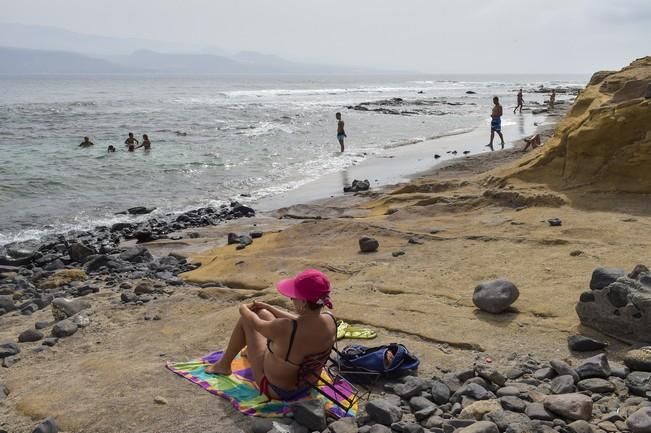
column 213, row 137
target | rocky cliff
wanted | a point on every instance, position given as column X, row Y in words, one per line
column 604, row 142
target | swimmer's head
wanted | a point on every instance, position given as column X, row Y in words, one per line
column 131, row 135
column 338, row 116
column 145, row 136
column 496, row 99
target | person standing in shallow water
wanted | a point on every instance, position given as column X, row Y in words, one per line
column 520, row 102
column 86, row 143
column 145, row 142
column 341, row 133
column 496, row 122
column 552, row 99
column 131, row 142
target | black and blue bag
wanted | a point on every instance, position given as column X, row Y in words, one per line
column 360, row 363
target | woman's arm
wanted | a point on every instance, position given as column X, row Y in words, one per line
column 277, row 312
column 268, row 328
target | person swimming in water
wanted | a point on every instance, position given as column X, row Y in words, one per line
column 86, row 142
column 341, row 133
column 145, row 142
column 110, row 149
column 131, row 142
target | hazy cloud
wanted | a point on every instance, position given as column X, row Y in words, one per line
column 419, row 35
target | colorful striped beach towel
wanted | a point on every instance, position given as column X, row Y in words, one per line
column 241, row 390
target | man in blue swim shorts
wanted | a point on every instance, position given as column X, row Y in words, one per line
column 341, row 133
column 496, row 122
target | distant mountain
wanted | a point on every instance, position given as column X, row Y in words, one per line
column 22, row 61
column 55, row 39
column 242, row 63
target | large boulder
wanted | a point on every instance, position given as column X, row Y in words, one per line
column 622, row 308
column 495, row 296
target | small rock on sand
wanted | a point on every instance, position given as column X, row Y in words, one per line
column 160, row 400
column 581, row 343
column 368, row 245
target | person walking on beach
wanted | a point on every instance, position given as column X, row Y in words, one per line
column 131, row 142
column 520, row 102
column 341, row 133
column 496, row 122
column 86, row 142
column 552, row 99
column 145, row 142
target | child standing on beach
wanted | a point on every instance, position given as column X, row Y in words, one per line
column 496, row 122
column 341, row 133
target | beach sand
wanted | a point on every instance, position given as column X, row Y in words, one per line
column 473, row 226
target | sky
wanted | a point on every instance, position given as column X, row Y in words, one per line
column 429, row 36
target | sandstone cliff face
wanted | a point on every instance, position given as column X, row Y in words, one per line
column 604, row 142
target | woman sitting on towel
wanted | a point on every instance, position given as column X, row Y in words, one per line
column 285, row 350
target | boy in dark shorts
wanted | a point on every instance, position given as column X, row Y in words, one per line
column 496, row 122
column 341, row 133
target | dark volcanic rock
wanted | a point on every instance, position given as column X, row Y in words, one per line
column 358, row 185
column 47, row 426
column 79, row 252
column 621, row 308
column 368, row 245
column 554, row 222
column 8, row 349
column 495, row 296
column 311, row 414
column 638, row 382
column 562, row 384
column 29, row 336
column 597, row 366
column 64, row 328
column 140, row 210
column 580, row 343
column 383, row 412
column 602, row 277
column 136, row 255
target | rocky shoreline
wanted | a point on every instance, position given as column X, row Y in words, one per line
column 56, row 270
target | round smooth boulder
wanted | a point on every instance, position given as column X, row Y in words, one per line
column 495, row 296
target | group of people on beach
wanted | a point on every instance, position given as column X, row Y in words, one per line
column 131, row 143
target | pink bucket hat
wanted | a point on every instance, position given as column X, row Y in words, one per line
column 310, row 285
